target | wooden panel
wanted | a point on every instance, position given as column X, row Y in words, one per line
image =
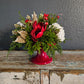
column 12, row 81
column 12, row 75
column 12, row 78
column 75, row 77
column 27, row 77
column 33, row 77
column 44, row 76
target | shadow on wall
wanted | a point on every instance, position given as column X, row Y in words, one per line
column 5, row 40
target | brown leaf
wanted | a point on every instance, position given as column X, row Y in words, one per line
column 19, row 39
column 35, row 17
column 23, row 34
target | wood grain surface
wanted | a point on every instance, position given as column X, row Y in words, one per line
column 17, row 68
column 21, row 60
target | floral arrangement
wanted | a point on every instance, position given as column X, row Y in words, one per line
column 35, row 33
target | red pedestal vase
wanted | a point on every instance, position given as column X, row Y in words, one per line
column 41, row 59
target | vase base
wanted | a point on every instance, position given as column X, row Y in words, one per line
column 41, row 62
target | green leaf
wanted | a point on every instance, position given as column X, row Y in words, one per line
column 21, row 17
column 23, row 21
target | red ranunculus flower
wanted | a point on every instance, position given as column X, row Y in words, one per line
column 38, row 29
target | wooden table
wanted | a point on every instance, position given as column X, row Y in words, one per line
column 17, row 68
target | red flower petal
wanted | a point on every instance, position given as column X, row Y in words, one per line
column 40, row 34
column 38, row 29
column 33, row 34
column 35, row 24
column 34, row 40
column 42, row 30
column 39, row 26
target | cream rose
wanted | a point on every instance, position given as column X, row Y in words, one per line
column 61, row 34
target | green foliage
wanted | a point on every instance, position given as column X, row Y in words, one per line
column 22, row 21
column 52, row 18
column 40, row 19
column 21, row 17
column 15, row 45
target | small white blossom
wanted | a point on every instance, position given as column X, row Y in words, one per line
column 19, row 23
column 28, row 17
column 41, row 15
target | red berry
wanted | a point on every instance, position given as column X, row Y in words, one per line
column 45, row 18
column 45, row 15
column 58, row 17
column 26, row 21
column 46, row 23
column 54, row 43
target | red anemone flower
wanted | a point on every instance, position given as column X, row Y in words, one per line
column 38, row 29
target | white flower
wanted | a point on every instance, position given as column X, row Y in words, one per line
column 28, row 17
column 61, row 34
column 41, row 15
column 21, row 24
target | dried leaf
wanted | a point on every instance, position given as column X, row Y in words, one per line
column 16, row 25
column 28, row 17
column 14, row 32
column 19, row 39
column 23, row 34
column 34, row 16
